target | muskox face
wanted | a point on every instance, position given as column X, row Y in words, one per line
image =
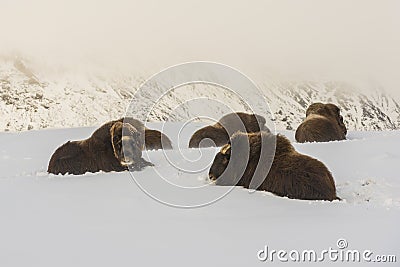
column 220, row 163
column 127, row 143
column 342, row 125
column 245, row 161
column 230, row 163
column 335, row 113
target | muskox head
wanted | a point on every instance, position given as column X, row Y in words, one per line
column 127, row 143
column 328, row 110
column 220, row 163
column 245, row 160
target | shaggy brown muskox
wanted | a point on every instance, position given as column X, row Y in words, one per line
column 219, row 133
column 323, row 123
column 291, row 174
column 115, row 146
column 153, row 139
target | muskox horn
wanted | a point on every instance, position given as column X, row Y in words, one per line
column 225, row 149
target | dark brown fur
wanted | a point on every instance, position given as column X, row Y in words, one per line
column 153, row 139
column 97, row 152
column 219, row 133
column 291, row 174
column 323, row 123
column 156, row 140
column 127, row 142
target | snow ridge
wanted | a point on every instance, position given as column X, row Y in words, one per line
column 35, row 99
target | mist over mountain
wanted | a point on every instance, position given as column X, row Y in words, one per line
column 304, row 40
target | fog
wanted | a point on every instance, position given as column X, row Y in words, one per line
column 340, row 40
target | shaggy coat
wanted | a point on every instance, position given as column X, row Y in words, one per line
column 127, row 143
column 219, row 133
column 156, row 140
column 285, row 173
column 323, row 123
column 102, row 150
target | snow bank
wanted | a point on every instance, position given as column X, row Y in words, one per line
column 105, row 219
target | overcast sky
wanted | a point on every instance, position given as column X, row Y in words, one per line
column 337, row 39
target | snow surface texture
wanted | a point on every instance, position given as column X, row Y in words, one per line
column 105, row 219
column 35, row 96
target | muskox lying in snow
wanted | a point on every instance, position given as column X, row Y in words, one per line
column 156, row 140
column 115, row 146
column 286, row 173
column 323, row 123
column 153, row 139
column 219, row 133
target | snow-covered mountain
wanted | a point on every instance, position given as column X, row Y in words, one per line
column 33, row 97
column 370, row 110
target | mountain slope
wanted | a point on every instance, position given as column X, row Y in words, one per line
column 34, row 98
column 362, row 111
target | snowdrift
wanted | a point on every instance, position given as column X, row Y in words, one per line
column 107, row 219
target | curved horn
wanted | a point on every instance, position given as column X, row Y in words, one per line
column 225, row 149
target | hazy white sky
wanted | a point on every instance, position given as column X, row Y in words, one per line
column 337, row 39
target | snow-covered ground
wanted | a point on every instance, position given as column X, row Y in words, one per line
column 107, row 219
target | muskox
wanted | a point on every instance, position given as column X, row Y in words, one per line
column 115, row 146
column 156, row 140
column 283, row 171
column 323, row 123
column 153, row 139
column 219, row 133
